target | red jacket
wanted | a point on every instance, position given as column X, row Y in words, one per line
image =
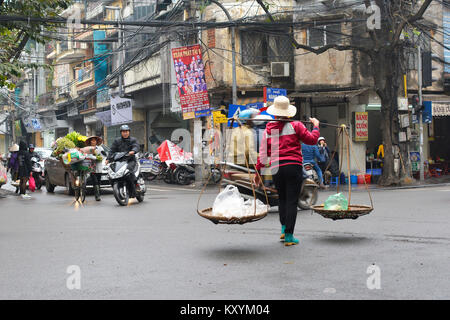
column 282, row 141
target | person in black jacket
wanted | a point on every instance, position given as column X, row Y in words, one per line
column 24, row 167
column 129, row 144
column 33, row 153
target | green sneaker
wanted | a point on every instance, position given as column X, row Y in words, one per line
column 283, row 228
column 289, row 240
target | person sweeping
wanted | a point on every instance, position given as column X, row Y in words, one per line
column 281, row 152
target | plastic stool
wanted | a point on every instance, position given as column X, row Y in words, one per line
column 334, row 181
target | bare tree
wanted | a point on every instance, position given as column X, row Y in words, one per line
column 385, row 49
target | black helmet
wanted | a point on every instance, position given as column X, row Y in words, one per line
column 31, row 146
column 124, row 127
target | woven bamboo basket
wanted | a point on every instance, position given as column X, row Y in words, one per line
column 207, row 214
column 353, row 212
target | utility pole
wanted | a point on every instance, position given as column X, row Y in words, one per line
column 13, row 120
column 122, row 50
column 233, row 51
column 419, row 71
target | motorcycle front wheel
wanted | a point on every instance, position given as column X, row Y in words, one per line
column 182, row 176
column 121, row 193
column 140, row 197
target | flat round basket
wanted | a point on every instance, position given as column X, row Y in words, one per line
column 353, row 212
column 207, row 214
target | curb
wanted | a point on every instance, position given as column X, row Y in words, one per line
column 396, row 188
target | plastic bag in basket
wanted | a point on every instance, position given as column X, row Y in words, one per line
column 229, row 203
column 336, row 202
column 250, row 207
column 73, row 156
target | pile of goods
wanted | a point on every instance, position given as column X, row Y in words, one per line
column 72, row 149
column 71, row 141
column 230, row 204
column 3, row 175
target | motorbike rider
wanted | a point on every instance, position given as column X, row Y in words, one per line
column 129, row 144
column 33, row 153
column 312, row 155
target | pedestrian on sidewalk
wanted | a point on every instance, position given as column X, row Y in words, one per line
column 24, row 167
column 13, row 163
column 281, row 150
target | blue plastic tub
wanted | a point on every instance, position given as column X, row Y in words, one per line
column 374, row 172
column 354, row 179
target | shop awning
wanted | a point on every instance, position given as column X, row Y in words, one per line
column 329, row 94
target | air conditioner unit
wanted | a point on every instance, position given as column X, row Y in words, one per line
column 279, row 69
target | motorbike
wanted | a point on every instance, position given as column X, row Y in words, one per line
column 238, row 176
column 119, row 176
column 184, row 173
column 37, row 172
column 310, row 172
column 152, row 169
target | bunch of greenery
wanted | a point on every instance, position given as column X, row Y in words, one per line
column 77, row 138
column 62, row 145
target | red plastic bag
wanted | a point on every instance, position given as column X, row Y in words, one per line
column 32, row 184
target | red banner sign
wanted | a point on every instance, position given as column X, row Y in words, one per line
column 190, row 74
column 361, row 126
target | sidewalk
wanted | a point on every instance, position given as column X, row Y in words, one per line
column 427, row 183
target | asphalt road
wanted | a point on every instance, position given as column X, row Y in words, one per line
column 161, row 249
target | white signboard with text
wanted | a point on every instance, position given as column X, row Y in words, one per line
column 121, row 110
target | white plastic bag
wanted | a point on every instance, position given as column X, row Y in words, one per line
column 229, row 203
column 250, row 207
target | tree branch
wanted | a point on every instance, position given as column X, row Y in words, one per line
column 311, row 49
column 417, row 16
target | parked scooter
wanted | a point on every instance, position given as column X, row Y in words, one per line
column 238, row 176
column 37, row 172
column 184, row 173
column 119, row 175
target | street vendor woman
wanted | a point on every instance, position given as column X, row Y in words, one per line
column 281, row 150
column 96, row 175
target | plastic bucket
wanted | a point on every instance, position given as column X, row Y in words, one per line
column 361, row 179
column 368, row 178
column 353, row 179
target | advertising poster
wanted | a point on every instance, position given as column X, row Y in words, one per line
column 190, row 75
column 361, row 126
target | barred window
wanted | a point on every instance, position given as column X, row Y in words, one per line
column 261, row 48
column 323, row 35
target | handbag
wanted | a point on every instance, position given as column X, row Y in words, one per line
column 32, row 184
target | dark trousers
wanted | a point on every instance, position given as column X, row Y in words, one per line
column 23, row 185
column 96, row 178
column 288, row 182
column 132, row 178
